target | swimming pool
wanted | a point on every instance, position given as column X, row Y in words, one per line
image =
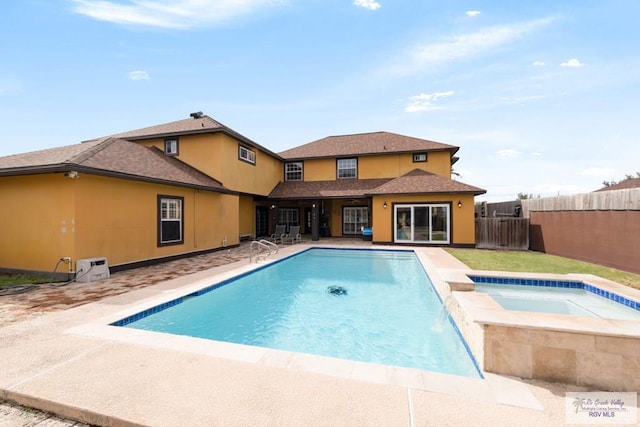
column 374, row 306
column 558, row 297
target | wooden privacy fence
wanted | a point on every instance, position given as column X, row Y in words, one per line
column 502, row 233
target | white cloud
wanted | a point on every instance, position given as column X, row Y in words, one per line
column 425, row 101
column 472, row 13
column 573, row 62
column 538, row 64
column 181, row 14
column 465, row 46
column 138, row 75
column 367, row 4
column 604, row 172
column 508, row 154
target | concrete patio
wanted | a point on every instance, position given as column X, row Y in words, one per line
column 59, row 355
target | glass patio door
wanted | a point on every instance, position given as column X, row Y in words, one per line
column 404, row 231
column 422, row 223
column 353, row 219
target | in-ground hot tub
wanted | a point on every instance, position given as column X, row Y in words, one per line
column 558, row 297
column 538, row 334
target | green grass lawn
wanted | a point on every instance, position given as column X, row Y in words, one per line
column 537, row 262
column 20, row 279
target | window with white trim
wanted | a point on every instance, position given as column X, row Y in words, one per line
column 354, row 218
column 419, row 157
column 247, row 155
column 293, row 171
column 170, row 225
column 288, row 217
column 347, row 168
column 171, row 146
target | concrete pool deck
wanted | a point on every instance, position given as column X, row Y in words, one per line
column 69, row 362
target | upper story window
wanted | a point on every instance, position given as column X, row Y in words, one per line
column 171, row 146
column 419, row 157
column 293, row 171
column 247, row 155
column 170, row 226
column 347, row 168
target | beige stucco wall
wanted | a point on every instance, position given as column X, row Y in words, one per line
column 320, row 170
column 55, row 216
column 38, row 221
column 395, row 165
column 462, row 219
column 380, row 166
column 217, row 155
column 246, row 215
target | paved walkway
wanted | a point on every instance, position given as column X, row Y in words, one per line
column 43, row 299
column 268, row 395
column 46, row 299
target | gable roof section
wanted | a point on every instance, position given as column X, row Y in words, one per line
column 325, row 189
column 111, row 157
column 627, row 183
column 200, row 124
column 414, row 182
column 421, row 182
column 364, row 144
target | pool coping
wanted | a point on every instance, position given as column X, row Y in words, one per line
column 482, row 308
column 105, row 328
column 52, row 362
column 594, row 352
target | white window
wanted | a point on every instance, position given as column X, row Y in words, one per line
column 171, row 146
column 347, row 168
column 288, row 217
column 419, row 157
column 293, row 171
column 247, row 155
column 354, row 218
column 170, row 228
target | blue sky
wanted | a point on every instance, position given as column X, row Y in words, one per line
column 541, row 96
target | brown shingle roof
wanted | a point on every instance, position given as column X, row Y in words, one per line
column 421, row 182
column 414, row 182
column 627, row 183
column 364, row 144
column 193, row 125
column 112, row 157
column 187, row 126
column 325, row 189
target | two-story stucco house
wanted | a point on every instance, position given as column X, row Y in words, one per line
column 195, row 185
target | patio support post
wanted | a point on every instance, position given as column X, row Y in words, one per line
column 315, row 220
column 274, row 216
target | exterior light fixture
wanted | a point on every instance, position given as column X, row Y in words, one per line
column 384, row 205
column 272, row 206
column 71, row 174
column 459, row 203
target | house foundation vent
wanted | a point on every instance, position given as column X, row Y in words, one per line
column 92, row 269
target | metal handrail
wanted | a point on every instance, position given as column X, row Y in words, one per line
column 270, row 246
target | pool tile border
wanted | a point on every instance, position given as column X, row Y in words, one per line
column 571, row 284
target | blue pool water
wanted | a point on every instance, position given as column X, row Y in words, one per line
column 363, row 305
column 558, row 297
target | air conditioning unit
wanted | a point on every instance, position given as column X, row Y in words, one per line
column 92, row 269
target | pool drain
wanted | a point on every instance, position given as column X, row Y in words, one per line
column 337, row 290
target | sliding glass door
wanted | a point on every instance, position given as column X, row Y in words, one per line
column 422, row 223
